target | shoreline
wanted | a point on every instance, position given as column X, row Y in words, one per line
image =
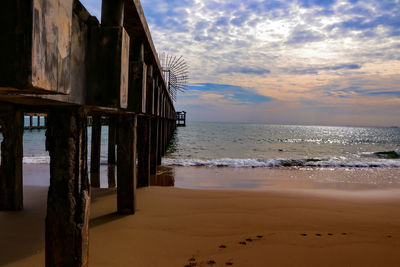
column 173, row 225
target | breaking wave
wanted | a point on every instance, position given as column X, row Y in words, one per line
column 229, row 162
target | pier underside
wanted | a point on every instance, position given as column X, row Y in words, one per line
column 107, row 71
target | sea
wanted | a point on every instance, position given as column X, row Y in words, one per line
column 263, row 147
column 242, row 145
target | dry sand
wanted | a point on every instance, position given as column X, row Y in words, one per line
column 179, row 227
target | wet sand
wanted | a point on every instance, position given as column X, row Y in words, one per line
column 279, row 225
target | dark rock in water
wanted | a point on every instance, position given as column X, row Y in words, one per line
column 313, row 160
column 387, row 155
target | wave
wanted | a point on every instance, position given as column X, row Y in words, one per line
column 36, row 160
column 46, row 160
column 384, row 159
column 238, row 163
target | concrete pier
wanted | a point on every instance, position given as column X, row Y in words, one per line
column 12, row 123
column 112, row 138
column 68, row 204
column 126, row 164
column 61, row 63
column 95, row 152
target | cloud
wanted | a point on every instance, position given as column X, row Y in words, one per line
column 245, row 70
column 342, row 54
column 317, row 70
column 300, row 36
column 226, row 93
column 390, row 93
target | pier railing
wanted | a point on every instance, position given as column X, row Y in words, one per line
column 61, row 61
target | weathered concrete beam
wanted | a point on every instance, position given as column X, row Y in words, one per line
column 150, row 90
column 35, row 48
column 108, row 67
column 112, row 13
column 11, row 189
column 126, row 164
column 137, row 79
column 144, row 131
column 68, row 204
column 95, row 151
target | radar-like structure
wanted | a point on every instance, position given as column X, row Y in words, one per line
column 175, row 72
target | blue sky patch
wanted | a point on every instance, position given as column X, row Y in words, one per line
column 231, row 92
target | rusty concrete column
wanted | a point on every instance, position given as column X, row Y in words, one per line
column 30, row 122
column 159, row 141
column 68, row 203
column 95, row 152
column 153, row 146
column 143, row 146
column 166, row 136
column 112, row 13
column 11, row 189
column 126, row 164
column 112, row 137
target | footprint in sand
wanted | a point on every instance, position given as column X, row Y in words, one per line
column 192, row 262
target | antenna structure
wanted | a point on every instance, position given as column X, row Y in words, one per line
column 175, row 72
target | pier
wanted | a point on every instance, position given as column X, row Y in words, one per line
column 59, row 62
column 181, row 118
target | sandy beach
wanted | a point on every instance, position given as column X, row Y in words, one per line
column 203, row 227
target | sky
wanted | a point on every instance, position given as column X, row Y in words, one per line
column 316, row 62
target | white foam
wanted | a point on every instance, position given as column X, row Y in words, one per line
column 36, row 160
column 238, row 163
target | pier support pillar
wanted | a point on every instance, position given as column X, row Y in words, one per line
column 30, row 122
column 68, row 203
column 112, row 137
column 11, row 192
column 95, row 152
column 126, row 164
column 144, row 130
column 153, row 146
column 160, row 139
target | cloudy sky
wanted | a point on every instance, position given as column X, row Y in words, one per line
column 294, row 62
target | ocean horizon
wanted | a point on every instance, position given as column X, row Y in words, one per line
column 260, row 145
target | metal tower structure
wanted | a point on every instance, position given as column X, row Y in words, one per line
column 175, row 72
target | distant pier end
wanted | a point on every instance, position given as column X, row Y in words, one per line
column 59, row 62
column 181, row 118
